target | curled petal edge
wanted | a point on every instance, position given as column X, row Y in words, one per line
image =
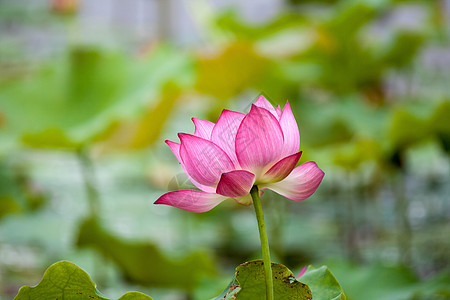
column 300, row 184
column 282, row 168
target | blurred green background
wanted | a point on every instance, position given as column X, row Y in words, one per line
column 89, row 91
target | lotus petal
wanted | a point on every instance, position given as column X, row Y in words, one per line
column 258, row 140
column 278, row 110
column 235, row 183
column 204, row 161
column 244, row 200
column 175, row 147
column 224, row 132
column 281, row 169
column 264, row 103
column 300, row 184
column 290, row 131
column 190, row 200
column 203, row 128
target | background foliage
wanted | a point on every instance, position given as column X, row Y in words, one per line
column 89, row 92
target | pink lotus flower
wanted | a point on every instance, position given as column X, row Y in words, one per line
column 224, row 160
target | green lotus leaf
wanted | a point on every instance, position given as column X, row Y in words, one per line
column 249, row 283
column 378, row 281
column 323, row 284
column 65, row 280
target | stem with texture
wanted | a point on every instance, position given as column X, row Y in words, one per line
column 254, row 192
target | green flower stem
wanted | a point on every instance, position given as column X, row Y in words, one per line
column 254, row 192
column 87, row 172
